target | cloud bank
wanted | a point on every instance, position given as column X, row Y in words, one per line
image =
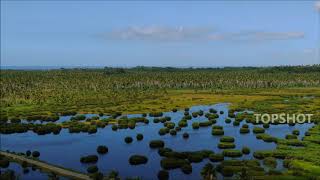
column 161, row 33
column 180, row 33
column 317, row 6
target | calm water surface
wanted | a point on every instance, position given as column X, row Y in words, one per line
column 66, row 149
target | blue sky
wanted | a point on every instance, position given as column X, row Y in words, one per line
column 162, row 33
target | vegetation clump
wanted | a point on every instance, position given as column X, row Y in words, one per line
column 89, row 159
column 139, row 137
column 92, row 169
column 155, row 114
column 195, row 125
column 35, row 154
column 226, row 145
column 205, row 123
column 128, row 139
column 258, row 130
column 244, row 130
column 227, row 139
column 217, row 132
column 163, row 175
column 156, row 144
column 216, row 157
column 172, row 163
column 232, row 153
column 270, row 162
column 138, row 159
column 186, row 169
column 102, row 149
column 185, row 135
column 246, row 150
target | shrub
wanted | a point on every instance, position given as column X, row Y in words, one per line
column 195, row 125
column 195, row 157
column 211, row 110
column 156, row 144
column 266, row 126
column 296, row 132
column 182, row 123
column 258, row 130
column 186, row 109
column 187, row 117
column 172, row 163
column 279, row 155
column 173, row 132
column 178, row 129
column 138, row 159
column 262, row 154
column 270, row 162
column 156, row 120
column 221, row 112
column 217, row 132
column 89, row 159
column 4, row 163
column 163, row 175
column 35, row 154
column 114, row 127
column 246, row 150
column 163, row 131
column 212, row 116
column 163, row 151
column 205, row 123
column 228, row 121
column 236, row 123
column 185, row 135
column 294, row 142
column 128, row 139
column 102, row 149
column 156, row 114
column 245, row 126
column 227, row 139
column 226, row 145
column 169, row 125
column 232, row 153
column 200, row 113
column 92, row 169
column 244, row 130
column 291, row 136
column 178, row 155
column 186, row 169
column 92, row 130
column 131, row 125
column 307, row 133
column 139, row 137
column 28, row 153
column 216, row 157
column 217, row 127
column 267, row 138
column 195, row 114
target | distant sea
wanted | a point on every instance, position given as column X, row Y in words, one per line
column 88, row 67
column 47, row 67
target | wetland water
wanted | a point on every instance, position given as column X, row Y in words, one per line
column 65, row 149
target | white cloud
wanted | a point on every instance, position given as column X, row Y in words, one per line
column 317, row 5
column 257, row 36
column 165, row 33
column 181, row 33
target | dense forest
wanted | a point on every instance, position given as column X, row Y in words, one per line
column 117, row 84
